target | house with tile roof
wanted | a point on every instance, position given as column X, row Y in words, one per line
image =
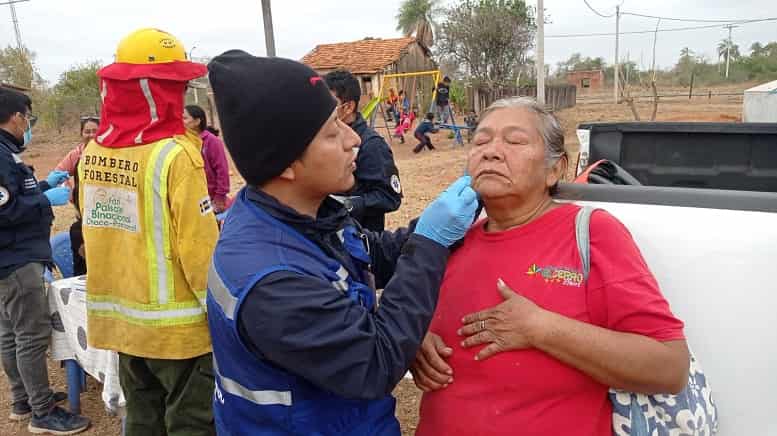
column 370, row 58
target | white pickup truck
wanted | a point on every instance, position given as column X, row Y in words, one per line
column 714, row 253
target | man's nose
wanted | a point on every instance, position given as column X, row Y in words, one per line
column 352, row 140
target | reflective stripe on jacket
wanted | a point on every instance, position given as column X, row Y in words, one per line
column 253, row 395
column 149, row 232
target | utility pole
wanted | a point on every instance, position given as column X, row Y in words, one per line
column 728, row 46
column 15, row 21
column 540, row 61
column 269, row 37
column 616, row 71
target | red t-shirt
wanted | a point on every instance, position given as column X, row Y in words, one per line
column 528, row 392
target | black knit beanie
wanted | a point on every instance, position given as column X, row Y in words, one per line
column 270, row 110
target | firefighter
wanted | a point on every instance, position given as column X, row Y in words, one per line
column 149, row 232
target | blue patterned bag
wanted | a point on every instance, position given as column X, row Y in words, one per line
column 692, row 412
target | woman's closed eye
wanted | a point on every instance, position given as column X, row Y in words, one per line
column 517, row 139
column 482, row 139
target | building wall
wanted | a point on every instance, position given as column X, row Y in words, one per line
column 595, row 80
column 760, row 107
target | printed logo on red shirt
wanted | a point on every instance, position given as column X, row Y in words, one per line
column 554, row 274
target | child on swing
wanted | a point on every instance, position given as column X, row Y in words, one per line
column 406, row 119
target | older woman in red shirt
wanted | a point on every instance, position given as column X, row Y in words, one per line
column 521, row 343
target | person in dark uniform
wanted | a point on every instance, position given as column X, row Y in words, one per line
column 25, row 226
column 442, row 106
column 378, row 189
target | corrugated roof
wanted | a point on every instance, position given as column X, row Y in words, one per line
column 359, row 57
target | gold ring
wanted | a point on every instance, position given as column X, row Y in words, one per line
column 483, row 325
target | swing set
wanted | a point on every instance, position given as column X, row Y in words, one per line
column 415, row 92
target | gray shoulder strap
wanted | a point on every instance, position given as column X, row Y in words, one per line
column 583, row 237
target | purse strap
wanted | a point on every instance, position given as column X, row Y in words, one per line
column 583, row 237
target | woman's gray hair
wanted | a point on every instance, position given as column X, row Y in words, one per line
column 549, row 128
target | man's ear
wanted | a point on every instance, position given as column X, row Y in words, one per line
column 289, row 174
column 351, row 105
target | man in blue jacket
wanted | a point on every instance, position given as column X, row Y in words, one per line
column 25, row 225
column 377, row 190
column 300, row 345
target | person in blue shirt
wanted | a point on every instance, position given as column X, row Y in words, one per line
column 25, row 226
column 300, row 344
column 421, row 133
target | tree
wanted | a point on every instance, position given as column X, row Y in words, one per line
column 771, row 49
column 723, row 50
column 490, row 39
column 77, row 93
column 417, row 16
column 757, row 49
column 578, row 63
column 17, row 66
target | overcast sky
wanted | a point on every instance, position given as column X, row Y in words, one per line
column 67, row 32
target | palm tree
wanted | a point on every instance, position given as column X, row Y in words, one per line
column 416, row 16
column 722, row 47
column 723, row 50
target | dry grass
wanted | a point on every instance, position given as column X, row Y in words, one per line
column 423, row 177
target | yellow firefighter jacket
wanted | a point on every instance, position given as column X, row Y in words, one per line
column 149, row 233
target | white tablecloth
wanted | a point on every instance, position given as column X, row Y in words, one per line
column 67, row 301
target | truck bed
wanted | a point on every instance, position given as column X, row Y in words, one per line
column 714, row 254
column 736, row 156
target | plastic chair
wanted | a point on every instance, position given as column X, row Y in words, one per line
column 62, row 254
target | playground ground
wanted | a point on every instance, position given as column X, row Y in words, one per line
column 423, row 177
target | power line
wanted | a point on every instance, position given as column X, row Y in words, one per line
column 638, row 32
column 597, row 12
column 688, row 20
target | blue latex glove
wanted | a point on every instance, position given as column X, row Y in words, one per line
column 56, row 178
column 448, row 218
column 58, row 196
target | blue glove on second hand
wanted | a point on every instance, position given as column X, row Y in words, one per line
column 448, row 218
column 58, row 196
column 56, row 178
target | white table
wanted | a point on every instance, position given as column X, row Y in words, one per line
column 67, row 302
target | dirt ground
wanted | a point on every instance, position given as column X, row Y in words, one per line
column 423, row 177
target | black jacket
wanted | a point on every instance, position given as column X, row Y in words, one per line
column 368, row 358
column 25, row 213
column 378, row 189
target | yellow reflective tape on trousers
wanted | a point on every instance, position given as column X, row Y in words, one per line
column 157, row 222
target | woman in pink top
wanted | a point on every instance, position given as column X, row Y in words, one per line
column 89, row 125
column 216, row 166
